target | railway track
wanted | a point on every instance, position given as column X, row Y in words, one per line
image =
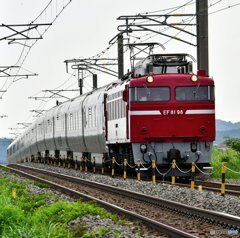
column 174, row 219
column 232, row 189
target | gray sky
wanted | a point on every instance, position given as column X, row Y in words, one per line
column 84, row 29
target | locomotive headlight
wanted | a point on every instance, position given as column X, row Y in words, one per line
column 150, row 79
column 194, row 78
column 143, row 148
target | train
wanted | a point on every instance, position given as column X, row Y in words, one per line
column 159, row 111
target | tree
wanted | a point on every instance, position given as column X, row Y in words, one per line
column 234, row 144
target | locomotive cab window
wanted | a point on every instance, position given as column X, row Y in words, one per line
column 196, row 93
column 149, row 94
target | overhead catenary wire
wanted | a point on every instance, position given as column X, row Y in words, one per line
column 171, row 8
column 224, row 8
column 44, row 103
column 26, row 49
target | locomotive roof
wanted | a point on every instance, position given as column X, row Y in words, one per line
column 166, row 59
column 164, row 63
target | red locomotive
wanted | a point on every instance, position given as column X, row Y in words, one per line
column 170, row 113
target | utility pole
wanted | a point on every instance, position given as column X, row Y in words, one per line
column 202, row 35
column 94, row 81
column 120, row 56
column 80, row 82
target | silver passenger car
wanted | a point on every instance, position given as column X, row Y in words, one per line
column 75, row 127
column 94, row 122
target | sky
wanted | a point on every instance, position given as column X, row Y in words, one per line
column 84, row 29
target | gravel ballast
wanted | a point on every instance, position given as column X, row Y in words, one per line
column 205, row 199
column 129, row 230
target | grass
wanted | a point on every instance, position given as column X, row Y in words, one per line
column 232, row 159
column 101, row 232
column 6, row 169
column 41, row 185
column 29, row 216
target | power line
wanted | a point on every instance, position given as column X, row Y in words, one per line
column 26, row 48
column 171, row 8
column 224, row 8
column 213, row 4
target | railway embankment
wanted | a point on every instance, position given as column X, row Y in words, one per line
column 173, row 217
column 32, row 209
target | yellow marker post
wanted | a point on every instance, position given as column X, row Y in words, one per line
column 113, row 166
column 138, row 172
column 125, row 169
column 154, row 172
column 173, row 167
column 81, row 162
column 200, row 188
column 14, row 193
column 193, row 176
column 223, row 179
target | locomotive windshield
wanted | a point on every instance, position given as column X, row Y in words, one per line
column 148, row 94
column 200, row 93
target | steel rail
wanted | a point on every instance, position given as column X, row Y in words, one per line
column 231, row 189
column 166, row 229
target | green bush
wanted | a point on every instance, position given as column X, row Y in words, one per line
column 232, row 159
column 234, row 144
